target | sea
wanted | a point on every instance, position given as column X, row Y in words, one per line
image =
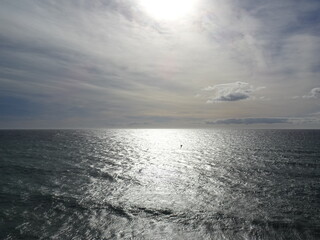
column 160, row 184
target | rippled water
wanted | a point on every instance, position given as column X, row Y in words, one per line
column 141, row 184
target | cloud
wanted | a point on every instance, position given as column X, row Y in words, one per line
column 231, row 97
column 250, row 121
column 230, row 92
column 314, row 93
column 94, row 63
column 316, row 114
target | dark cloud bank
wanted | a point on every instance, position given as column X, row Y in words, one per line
column 250, row 121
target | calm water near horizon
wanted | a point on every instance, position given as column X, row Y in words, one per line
column 141, row 184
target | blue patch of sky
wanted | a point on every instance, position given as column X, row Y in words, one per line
column 19, row 107
column 306, row 23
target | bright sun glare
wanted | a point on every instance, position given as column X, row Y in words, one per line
column 168, row 9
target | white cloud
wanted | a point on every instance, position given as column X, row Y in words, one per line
column 230, row 92
column 314, row 93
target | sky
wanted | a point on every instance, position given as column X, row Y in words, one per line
column 160, row 64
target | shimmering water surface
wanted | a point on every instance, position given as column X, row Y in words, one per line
column 141, row 184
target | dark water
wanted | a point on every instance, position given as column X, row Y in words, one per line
column 140, row 184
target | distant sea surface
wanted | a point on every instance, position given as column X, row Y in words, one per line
column 160, row 184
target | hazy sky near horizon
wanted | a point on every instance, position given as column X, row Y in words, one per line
column 139, row 63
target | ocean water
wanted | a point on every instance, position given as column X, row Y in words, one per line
column 142, row 184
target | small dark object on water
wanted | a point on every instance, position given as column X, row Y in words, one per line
column 181, row 146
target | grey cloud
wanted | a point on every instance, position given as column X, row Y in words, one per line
column 139, row 124
column 250, row 121
column 317, row 114
column 230, row 92
column 232, row 97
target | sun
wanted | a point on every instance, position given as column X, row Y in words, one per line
column 168, row 10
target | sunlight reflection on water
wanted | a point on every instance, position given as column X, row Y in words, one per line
column 205, row 183
column 160, row 177
column 141, row 184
